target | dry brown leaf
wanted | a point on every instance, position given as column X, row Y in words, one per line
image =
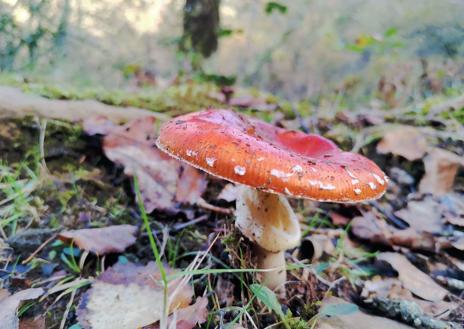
column 98, row 124
column 356, row 320
column 441, row 167
column 33, row 323
column 390, row 288
column 454, row 209
column 412, row 239
column 393, row 289
column 9, row 306
column 368, row 227
column 163, row 180
column 191, row 181
column 104, row 240
column 128, row 296
column 423, row 215
column 188, row 317
column 338, row 219
column 414, row 279
column 458, row 243
column 406, row 141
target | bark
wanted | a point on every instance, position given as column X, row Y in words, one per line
column 201, row 26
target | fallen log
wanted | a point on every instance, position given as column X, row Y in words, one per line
column 14, row 103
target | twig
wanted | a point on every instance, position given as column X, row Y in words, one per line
column 205, row 205
column 43, row 128
column 181, row 226
column 408, row 312
column 50, row 239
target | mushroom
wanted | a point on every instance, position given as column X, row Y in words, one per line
column 270, row 163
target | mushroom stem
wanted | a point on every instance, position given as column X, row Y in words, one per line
column 272, row 260
column 269, row 221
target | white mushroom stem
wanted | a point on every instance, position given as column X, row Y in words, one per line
column 275, row 261
column 268, row 220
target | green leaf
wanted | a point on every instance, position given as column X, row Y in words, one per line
column 226, row 32
column 267, row 297
column 338, row 309
column 272, row 5
column 392, row 31
column 321, row 267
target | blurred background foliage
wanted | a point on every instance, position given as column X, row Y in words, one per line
column 396, row 51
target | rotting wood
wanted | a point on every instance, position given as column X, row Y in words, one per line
column 15, row 103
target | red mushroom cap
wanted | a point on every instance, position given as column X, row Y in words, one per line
column 254, row 153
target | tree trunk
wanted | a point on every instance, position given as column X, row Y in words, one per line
column 201, row 26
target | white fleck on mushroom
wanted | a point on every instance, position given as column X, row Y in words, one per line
column 191, row 153
column 313, row 169
column 378, row 179
column 313, row 182
column 239, row 170
column 357, row 191
column 297, row 168
column 386, row 178
column 350, row 174
column 260, row 159
column 210, row 161
column 372, row 185
column 328, row 187
column 280, row 174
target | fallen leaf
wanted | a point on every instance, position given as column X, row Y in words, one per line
column 401, row 176
column 454, row 209
column 190, row 182
column 412, row 239
column 9, row 306
column 422, row 215
column 128, row 296
column 163, row 181
column 98, row 125
column 392, row 288
column 355, row 320
column 458, row 243
column 101, row 241
column 368, row 227
column 414, row 279
column 441, row 167
column 406, row 141
column 338, row 219
column 188, row 317
column 32, row 323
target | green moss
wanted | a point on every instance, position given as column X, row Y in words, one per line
column 295, row 322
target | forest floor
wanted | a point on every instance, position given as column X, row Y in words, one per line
column 397, row 262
